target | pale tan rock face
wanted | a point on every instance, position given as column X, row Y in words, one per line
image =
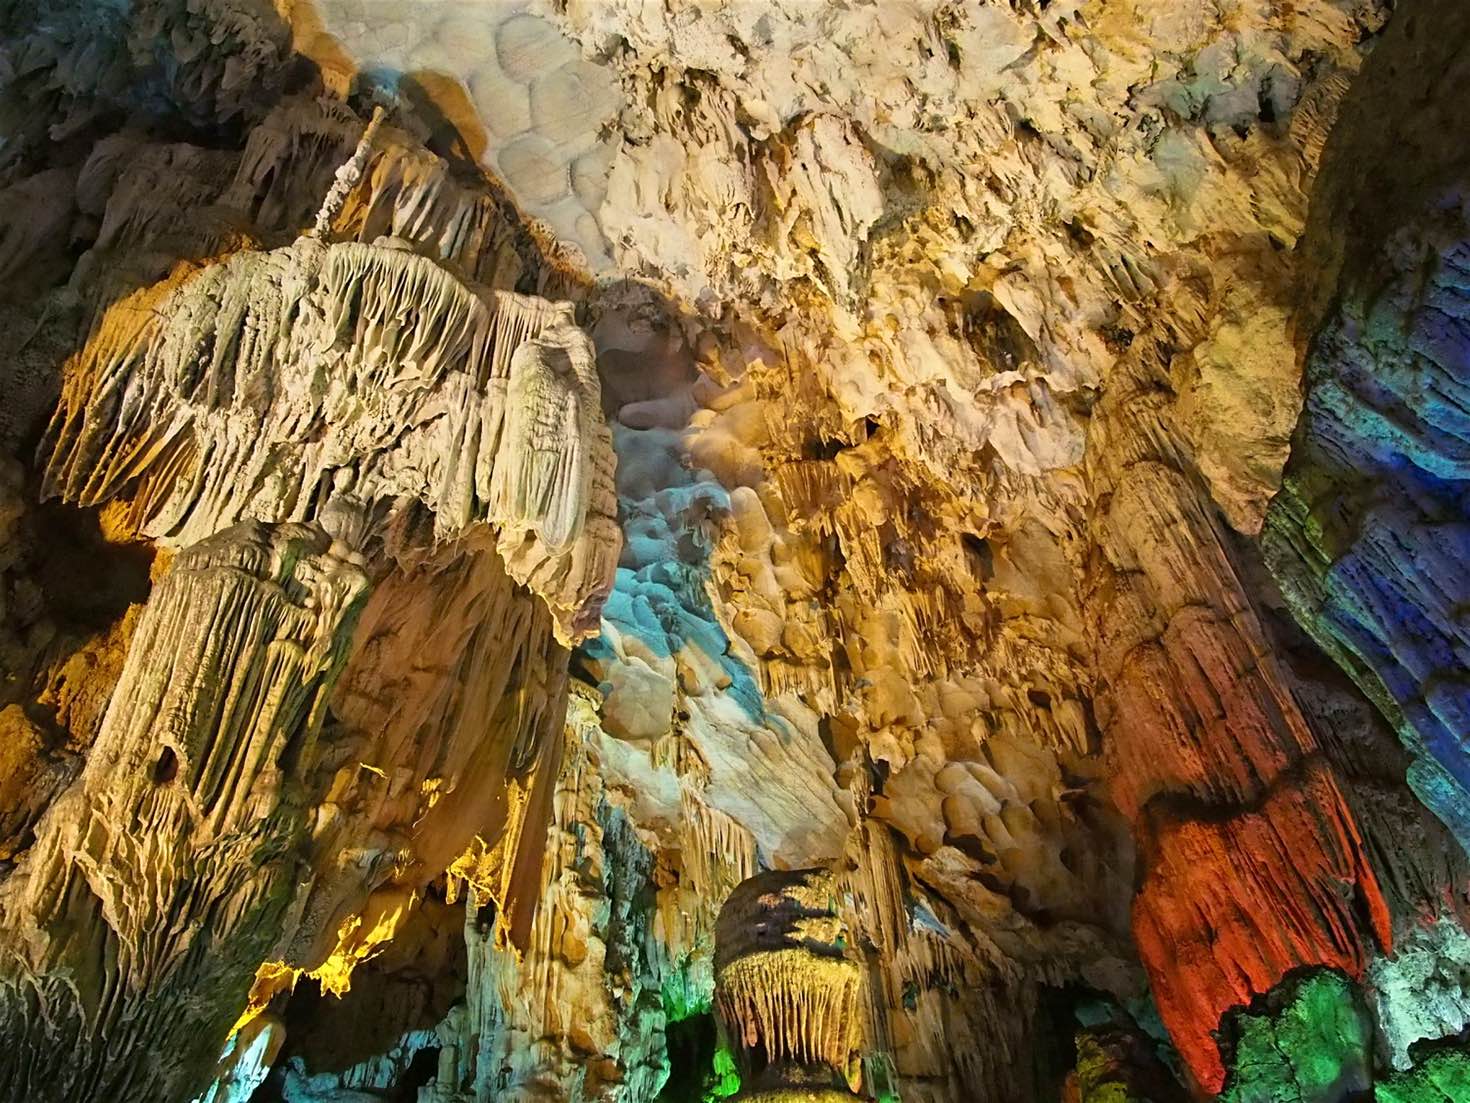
column 669, row 446
column 326, row 435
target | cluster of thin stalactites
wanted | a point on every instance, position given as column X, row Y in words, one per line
column 343, row 383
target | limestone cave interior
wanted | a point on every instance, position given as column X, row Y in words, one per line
column 782, row 551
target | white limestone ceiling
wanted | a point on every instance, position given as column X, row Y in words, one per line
column 522, row 96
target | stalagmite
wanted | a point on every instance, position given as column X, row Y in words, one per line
column 166, row 872
column 280, row 417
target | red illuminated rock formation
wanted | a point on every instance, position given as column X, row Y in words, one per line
column 1253, row 863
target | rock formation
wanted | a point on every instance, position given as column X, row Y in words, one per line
column 791, row 999
column 596, row 550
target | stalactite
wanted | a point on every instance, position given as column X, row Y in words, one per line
column 176, row 399
column 348, row 388
column 951, row 353
column 349, row 174
column 795, row 1006
column 467, row 736
column 792, row 999
column 576, row 991
column 718, row 851
column 290, row 162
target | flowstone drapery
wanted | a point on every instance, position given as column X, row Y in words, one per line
column 330, row 434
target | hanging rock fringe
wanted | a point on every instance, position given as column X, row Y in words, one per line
column 798, row 1005
column 340, row 380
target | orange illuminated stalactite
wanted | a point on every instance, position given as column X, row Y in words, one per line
column 1230, row 906
column 1254, row 865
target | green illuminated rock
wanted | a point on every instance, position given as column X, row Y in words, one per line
column 1441, row 1077
column 724, row 1076
column 1310, row 1044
